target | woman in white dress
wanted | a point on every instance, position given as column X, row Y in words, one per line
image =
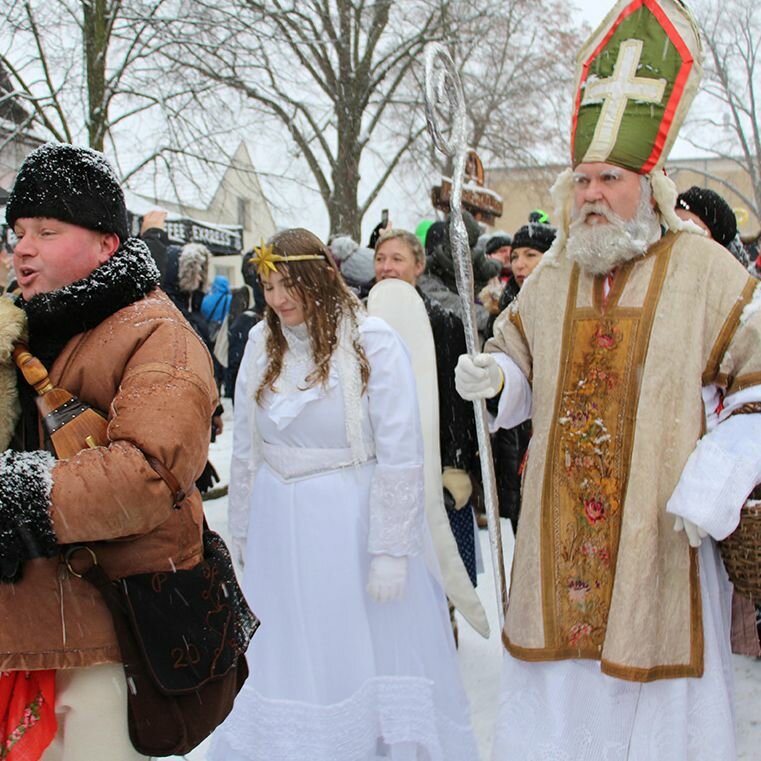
column 354, row 660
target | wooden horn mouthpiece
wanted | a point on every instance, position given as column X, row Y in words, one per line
column 32, row 369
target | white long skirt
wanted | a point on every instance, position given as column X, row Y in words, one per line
column 334, row 675
column 570, row 710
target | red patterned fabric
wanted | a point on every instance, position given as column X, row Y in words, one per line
column 27, row 714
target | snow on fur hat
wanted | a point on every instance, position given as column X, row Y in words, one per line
column 713, row 210
column 636, row 77
column 72, row 184
column 536, row 236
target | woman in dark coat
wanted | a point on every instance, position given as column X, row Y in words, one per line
column 509, row 445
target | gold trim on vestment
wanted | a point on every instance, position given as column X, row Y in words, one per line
column 751, row 408
column 743, row 381
column 726, row 334
column 628, row 348
column 515, row 318
column 632, row 673
column 548, row 579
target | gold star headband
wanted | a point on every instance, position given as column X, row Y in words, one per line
column 264, row 258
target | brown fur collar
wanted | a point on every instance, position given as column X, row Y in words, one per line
column 12, row 328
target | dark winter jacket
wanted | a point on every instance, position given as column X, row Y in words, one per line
column 434, row 287
column 157, row 241
column 116, row 341
column 509, row 445
column 183, row 280
column 237, row 338
column 457, row 425
column 438, row 281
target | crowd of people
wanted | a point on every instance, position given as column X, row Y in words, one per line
column 620, row 367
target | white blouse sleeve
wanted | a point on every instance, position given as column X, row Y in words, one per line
column 396, row 493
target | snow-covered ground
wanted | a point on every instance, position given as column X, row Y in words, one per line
column 480, row 658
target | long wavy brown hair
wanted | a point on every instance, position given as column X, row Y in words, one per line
column 319, row 286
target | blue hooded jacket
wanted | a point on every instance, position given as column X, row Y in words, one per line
column 216, row 303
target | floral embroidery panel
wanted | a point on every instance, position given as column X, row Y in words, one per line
column 589, row 466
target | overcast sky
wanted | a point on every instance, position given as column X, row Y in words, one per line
column 593, row 11
column 404, row 204
column 408, row 201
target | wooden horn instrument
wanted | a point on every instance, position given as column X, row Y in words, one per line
column 71, row 424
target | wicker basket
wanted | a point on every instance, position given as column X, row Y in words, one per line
column 741, row 552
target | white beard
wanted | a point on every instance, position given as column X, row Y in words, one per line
column 599, row 248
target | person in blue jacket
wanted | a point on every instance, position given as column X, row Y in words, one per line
column 216, row 304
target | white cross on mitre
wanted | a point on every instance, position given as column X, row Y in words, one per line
column 615, row 92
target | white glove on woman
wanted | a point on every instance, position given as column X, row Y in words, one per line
column 387, row 577
column 695, row 534
column 478, row 377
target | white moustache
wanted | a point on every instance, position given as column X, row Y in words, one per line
column 596, row 208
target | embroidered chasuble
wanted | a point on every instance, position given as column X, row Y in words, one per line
column 599, row 572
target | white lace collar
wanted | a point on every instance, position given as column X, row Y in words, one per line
column 291, row 396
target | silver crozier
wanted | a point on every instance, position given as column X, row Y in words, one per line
column 444, row 101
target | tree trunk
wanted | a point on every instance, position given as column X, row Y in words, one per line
column 96, row 38
column 343, row 208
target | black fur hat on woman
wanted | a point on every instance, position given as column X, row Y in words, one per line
column 713, row 210
column 534, row 235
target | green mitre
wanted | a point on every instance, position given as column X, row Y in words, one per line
column 635, row 80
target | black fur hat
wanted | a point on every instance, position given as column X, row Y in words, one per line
column 497, row 241
column 715, row 212
column 534, row 235
column 71, row 184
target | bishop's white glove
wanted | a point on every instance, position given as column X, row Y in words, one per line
column 478, row 377
column 387, row 577
column 238, row 551
column 695, row 534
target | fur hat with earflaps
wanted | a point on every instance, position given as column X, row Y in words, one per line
column 72, row 184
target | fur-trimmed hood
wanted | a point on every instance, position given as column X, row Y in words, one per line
column 193, row 267
column 12, row 329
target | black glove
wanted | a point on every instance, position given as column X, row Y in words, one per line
column 208, row 478
column 12, row 556
column 26, row 530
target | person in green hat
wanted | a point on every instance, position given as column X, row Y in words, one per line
column 637, row 354
column 422, row 230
